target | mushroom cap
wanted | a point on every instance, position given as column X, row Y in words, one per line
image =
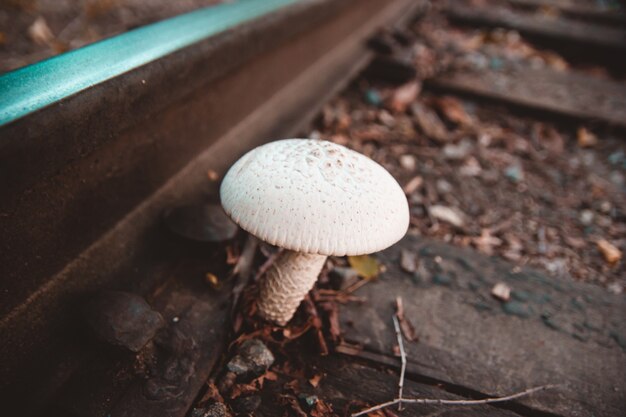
column 314, row 196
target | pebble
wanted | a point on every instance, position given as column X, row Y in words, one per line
column 122, row 319
column 586, row 217
column 307, row 401
column 515, row 308
column 501, row 291
column 373, row 97
column 442, row 279
column 615, row 288
column 408, row 162
column 201, row 222
column 457, row 152
column 443, row 186
column 252, row 360
column 520, row 295
column 514, row 173
column 408, row 261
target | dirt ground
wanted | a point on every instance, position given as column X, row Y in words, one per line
column 32, row 30
column 533, row 191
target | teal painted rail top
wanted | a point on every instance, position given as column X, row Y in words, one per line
column 33, row 87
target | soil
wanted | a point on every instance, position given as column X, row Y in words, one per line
column 537, row 192
column 32, row 30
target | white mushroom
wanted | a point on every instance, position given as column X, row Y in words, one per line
column 315, row 199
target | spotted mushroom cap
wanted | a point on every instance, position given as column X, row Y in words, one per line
column 315, row 196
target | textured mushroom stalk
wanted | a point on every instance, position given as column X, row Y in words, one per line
column 286, row 284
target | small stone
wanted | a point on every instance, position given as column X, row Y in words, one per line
column 515, row 308
column 252, row 360
column 307, row 401
column 606, row 207
column 501, row 291
column 213, row 410
column 610, row 252
column 472, row 168
column 443, row 186
column 247, row 404
column 482, row 306
column 373, row 97
column 442, row 279
column 620, row 338
column 520, row 295
column 408, row 162
column 514, row 173
column 123, row 319
column 408, row 261
column 617, row 157
column 201, row 222
column 550, row 322
column 617, row 178
column 457, row 152
column 586, row 217
column 615, row 288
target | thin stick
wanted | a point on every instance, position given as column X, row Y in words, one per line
column 396, row 324
column 355, row 286
column 243, row 269
column 453, row 402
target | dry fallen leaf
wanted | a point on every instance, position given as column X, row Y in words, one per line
column 404, row 96
column 315, row 380
column 212, row 175
column 322, row 409
column 448, row 215
column 429, row 122
column 610, row 252
column 454, row 111
column 366, row 266
column 486, row 241
column 39, row 32
column 232, row 254
column 413, row 185
column 586, row 139
column 213, row 281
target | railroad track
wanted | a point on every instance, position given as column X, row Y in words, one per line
column 93, row 154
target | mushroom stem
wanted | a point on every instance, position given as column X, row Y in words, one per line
column 286, row 284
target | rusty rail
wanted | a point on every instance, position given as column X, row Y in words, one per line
column 85, row 178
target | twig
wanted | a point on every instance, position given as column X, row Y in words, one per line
column 355, row 286
column 396, row 324
column 316, row 322
column 243, row 269
column 453, row 402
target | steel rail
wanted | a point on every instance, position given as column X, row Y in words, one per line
column 84, row 180
column 36, row 86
